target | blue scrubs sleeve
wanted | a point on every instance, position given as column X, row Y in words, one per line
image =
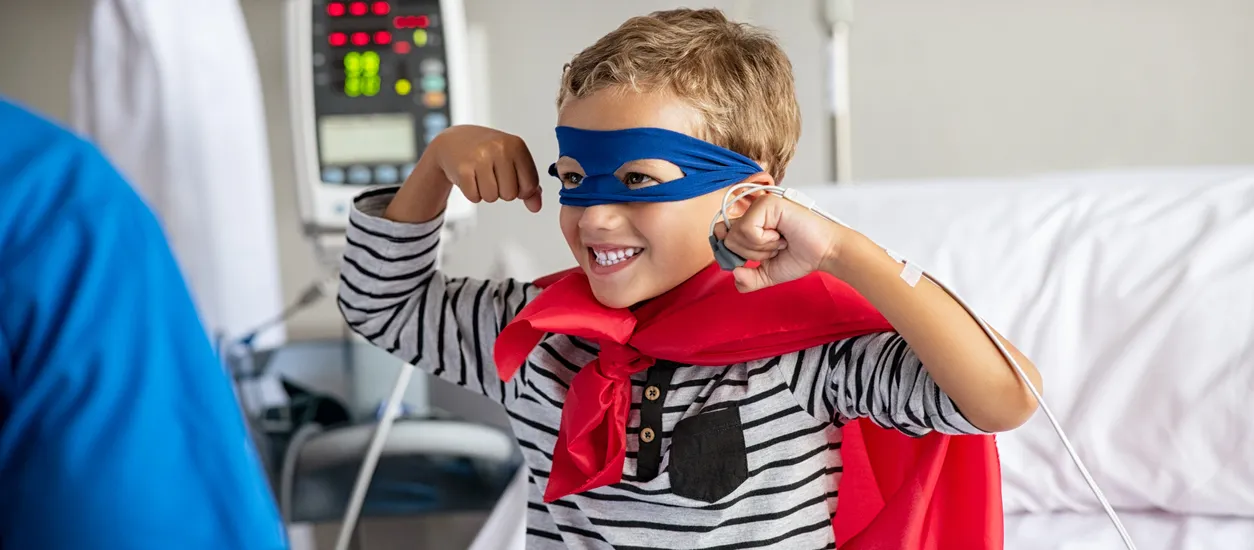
column 120, row 427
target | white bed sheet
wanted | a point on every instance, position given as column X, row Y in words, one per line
column 1150, row 531
column 1132, row 291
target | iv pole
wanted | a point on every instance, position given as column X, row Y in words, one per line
column 837, row 15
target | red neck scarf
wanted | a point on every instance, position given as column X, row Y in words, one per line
column 906, row 493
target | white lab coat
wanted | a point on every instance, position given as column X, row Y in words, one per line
column 169, row 90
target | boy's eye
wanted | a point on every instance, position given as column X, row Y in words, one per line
column 637, row 179
column 571, row 179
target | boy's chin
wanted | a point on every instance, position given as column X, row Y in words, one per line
column 614, row 298
column 621, row 296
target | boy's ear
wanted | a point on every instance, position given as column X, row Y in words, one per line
column 746, row 197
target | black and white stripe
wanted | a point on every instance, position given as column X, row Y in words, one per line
column 789, row 407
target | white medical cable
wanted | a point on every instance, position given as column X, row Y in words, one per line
column 799, row 198
column 287, row 470
column 391, row 410
column 371, row 459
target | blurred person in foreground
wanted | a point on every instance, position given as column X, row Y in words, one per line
column 119, row 427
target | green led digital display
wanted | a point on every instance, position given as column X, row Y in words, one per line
column 361, row 74
column 370, row 63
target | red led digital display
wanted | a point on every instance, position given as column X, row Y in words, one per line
column 381, row 8
column 357, row 8
column 360, row 39
column 383, row 37
column 401, row 47
column 335, row 9
column 337, row 39
column 411, row 21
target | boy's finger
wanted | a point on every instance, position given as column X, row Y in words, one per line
column 750, row 251
column 485, row 181
column 751, row 236
column 466, row 182
column 506, row 180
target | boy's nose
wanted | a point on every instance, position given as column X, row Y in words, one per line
column 601, row 217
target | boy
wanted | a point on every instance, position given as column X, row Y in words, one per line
column 659, row 401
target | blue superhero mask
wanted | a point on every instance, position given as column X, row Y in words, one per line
column 706, row 167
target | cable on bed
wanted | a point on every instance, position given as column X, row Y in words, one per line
column 911, row 273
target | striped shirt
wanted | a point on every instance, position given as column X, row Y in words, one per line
column 739, row 456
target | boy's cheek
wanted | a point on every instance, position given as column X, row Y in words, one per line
column 568, row 221
column 677, row 260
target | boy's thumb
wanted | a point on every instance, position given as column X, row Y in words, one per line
column 749, row 279
column 534, row 202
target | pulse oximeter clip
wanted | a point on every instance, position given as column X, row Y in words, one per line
column 726, row 259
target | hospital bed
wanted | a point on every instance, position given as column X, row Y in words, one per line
column 1133, row 292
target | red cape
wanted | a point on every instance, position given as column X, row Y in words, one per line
column 936, row 492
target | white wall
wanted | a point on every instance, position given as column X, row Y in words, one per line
column 39, row 77
column 940, row 88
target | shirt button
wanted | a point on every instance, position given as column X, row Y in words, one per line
column 646, row 435
column 652, row 393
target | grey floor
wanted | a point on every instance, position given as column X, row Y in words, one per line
column 435, row 532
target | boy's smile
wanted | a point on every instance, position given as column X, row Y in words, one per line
column 609, row 258
column 635, row 251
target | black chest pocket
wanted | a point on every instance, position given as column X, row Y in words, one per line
column 708, row 455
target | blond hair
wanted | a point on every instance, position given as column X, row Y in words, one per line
column 735, row 75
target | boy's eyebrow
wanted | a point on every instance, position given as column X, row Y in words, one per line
column 569, row 164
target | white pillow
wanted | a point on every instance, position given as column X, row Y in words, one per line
column 1134, row 295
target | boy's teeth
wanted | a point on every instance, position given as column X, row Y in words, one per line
column 611, row 257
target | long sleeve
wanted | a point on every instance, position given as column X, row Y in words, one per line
column 120, row 427
column 876, row 376
column 392, row 294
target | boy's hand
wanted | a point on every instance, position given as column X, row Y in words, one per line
column 788, row 241
column 486, row 165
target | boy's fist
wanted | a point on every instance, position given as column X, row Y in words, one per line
column 487, row 165
column 787, row 240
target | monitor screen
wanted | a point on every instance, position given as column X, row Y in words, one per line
column 366, row 139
